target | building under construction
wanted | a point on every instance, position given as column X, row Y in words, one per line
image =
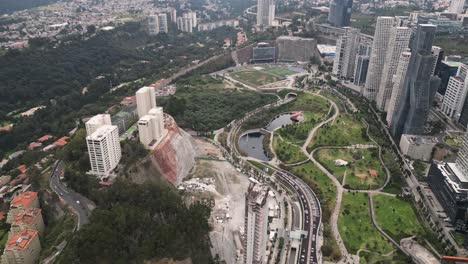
column 256, row 223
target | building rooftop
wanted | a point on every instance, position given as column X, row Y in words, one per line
column 21, row 240
column 44, row 138
column 420, row 140
column 451, row 174
column 24, row 199
column 27, row 216
column 101, row 132
column 61, row 141
column 144, row 89
column 258, row 193
column 98, row 119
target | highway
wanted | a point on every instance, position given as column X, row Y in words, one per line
column 312, row 216
column 80, row 205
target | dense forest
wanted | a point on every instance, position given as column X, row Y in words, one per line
column 9, row 6
column 134, row 223
column 204, row 104
column 56, row 75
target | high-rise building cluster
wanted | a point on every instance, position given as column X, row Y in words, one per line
column 340, row 13
column 103, row 145
column 25, row 217
column 151, row 123
column 395, row 70
column 265, row 12
column 157, row 23
column 187, row 22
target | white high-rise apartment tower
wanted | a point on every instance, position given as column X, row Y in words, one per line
column 97, row 121
column 256, row 223
column 377, row 58
column 397, row 86
column 397, row 43
column 145, row 99
column 455, row 94
column 456, row 6
column 157, row 24
column 187, row 22
column 265, row 12
column 104, row 150
column 346, row 49
column 151, row 127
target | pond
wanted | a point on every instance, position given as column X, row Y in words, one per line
column 282, row 120
column 252, row 145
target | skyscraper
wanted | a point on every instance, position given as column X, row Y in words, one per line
column 419, row 86
column 256, row 223
column 397, row 43
column 438, row 54
column 146, row 99
column 377, row 58
column 104, row 150
column 397, row 85
column 151, row 127
column 340, row 13
column 456, row 93
column 362, row 60
column 187, row 21
column 346, row 49
column 265, row 12
column 456, row 6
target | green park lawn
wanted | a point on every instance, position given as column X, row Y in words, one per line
column 356, row 228
column 287, row 152
column 254, row 78
column 297, row 133
column 282, row 71
column 346, row 130
column 454, row 140
column 396, row 217
column 357, row 170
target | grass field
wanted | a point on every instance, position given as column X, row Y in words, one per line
column 396, row 216
column 356, row 228
column 357, row 171
column 347, row 130
column 255, row 78
column 287, row 152
column 282, row 71
column 297, row 133
column 454, row 141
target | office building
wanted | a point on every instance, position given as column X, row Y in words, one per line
column 456, row 6
column 362, row 60
column 438, row 54
column 256, row 223
column 419, row 86
column 20, row 203
column 22, row 248
column 104, row 150
column 456, row 93
column 340, row 13
column 296, row 49
column 31, row 219
column 157, row 24
column 151, row 127
column 377, row 58
column 265, row 12
column 417, row 147
column 216, row 24
column 347, row 47
column 97, row 121
column 397, row 43
column 397, row 85
column 450, row 187
column 462, row 158
column 446, row 70
column 446, row 25
column 263, row 52
column 146, row 99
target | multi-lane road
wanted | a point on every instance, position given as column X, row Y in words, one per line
column 312, row 216
column 80, row 205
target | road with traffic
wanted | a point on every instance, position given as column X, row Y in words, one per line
column 80, row 205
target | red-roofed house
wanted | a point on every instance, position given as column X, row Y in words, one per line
column 130, row 100
column 61, row 141
column 30, row 218
column 34, row 145
column 23, row 247
column 44, row 138
column 22, row 168
column 20, row 203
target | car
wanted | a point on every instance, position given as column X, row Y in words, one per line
column 61, row 194
column 78, row 202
